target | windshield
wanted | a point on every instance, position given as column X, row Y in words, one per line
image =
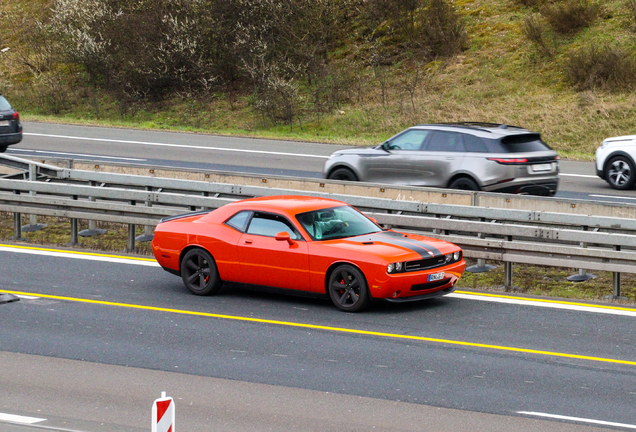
column 336, row 222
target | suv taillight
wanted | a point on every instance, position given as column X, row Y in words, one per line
column 16, row 116
column 507, row 161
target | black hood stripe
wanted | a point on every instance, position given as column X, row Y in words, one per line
column 396, row 239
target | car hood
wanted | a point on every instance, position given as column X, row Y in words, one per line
column 396, row 246
column 359, row 151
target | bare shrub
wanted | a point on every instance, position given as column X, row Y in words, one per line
column 36, row 53
column 531, row 3
column 630, row 5
column 570, row 16
column 333, row 87
column 442, row 30
column 534, row 30
column 604, row 67
column 53, row 93
column 432, row 28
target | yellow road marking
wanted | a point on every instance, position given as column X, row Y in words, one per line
column 458, row 291
column 332, row 329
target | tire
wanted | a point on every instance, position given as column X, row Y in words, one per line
column 3, row 149
column 619, row 173
column 464, row 183
column 348, row 289
column 342, row 174
column 199, row 273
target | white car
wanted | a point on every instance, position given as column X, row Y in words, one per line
column 615, row 161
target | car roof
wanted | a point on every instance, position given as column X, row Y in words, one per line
column 288, row 204
column 484, row 130
column 620, row 138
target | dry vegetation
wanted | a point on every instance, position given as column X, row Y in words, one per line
column 346, row 71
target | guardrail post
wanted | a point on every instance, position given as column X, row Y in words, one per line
column 582, row 275
column 481, row 265
column 131, row 234
column 33, row 224
column 508, row 271
column 148, row 233
column 616, row 282
column 74, row 228
column 17, row 227
column 92, row 225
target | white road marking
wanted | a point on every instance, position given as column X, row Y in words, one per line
column 613, row 196
column 577, row 419
column 27, row 297
column 19, row 419
column 77, row 154
column 155, row 144
column 151, row 263
column 530, row 302
column 81, row 256
column 579, row 175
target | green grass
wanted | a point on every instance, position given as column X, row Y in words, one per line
column 501, row 77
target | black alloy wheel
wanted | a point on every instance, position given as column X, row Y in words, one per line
column 348, row 289
column 199, row 272
column 464, row 183
column 620, row 173
column 343, row 174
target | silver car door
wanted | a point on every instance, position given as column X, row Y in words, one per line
column 396, row 166
column 440, row 159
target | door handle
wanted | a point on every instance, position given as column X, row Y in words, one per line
column 248, row 241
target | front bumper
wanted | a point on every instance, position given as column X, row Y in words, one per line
column 412, row 286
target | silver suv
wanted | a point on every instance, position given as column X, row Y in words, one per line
column 470, row 156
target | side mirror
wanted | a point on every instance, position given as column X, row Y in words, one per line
column 284, row 236
column 374, row 220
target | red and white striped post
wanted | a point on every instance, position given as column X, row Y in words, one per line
column 163, row 414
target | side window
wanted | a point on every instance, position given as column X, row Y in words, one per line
column 239, row 220
column 267, row 224
column 410, row 140
column 444, row 141
column 474, row 144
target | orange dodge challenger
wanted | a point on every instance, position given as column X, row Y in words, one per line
column 316, row 245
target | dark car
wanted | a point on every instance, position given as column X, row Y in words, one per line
column 471, row 156
column 10, row 126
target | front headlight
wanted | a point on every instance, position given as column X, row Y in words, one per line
column 448, row 258
column 457, row 256
column 397, row 267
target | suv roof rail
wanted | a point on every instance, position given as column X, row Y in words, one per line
column 477, row 125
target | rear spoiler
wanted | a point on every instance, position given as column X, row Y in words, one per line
column 184, row 215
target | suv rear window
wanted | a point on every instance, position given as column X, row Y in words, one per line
column 4, row 104
column 523, row 143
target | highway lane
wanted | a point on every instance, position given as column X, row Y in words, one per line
column 416, row 353
column 262, row 156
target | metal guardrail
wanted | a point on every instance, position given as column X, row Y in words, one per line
column 517, row 235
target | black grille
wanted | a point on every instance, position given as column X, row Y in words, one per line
column 424, row 264
column 430, row 285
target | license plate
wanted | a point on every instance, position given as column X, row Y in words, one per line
column 436, row 277
column 542, row 167
column 4, row 123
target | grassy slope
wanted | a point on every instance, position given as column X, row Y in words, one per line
column 500, row 78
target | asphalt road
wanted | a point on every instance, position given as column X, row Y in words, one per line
column 578, row 180
column 99, row 339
